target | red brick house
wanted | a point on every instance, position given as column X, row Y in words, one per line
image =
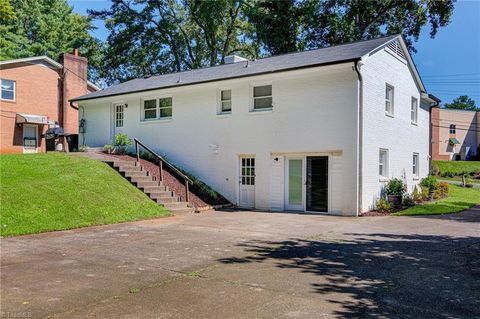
column 35, row 113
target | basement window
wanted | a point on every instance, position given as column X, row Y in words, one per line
column 8, row 90
column 415, row 165
column 383, row 163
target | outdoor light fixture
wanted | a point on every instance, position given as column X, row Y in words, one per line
column 214, row 148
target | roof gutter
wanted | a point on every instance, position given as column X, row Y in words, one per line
column 215, row 80
column 359, row 135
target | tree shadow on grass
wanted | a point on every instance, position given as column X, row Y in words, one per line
column 388, row 276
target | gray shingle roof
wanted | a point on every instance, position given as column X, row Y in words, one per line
column 330, row 55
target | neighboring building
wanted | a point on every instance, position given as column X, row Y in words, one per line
column 34, row 98
column 316, row 131
column 455, row 134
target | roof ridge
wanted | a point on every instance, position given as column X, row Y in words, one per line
column 267, row 57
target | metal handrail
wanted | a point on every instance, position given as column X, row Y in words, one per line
column 162, row 161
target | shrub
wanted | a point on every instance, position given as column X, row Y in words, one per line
column 416, row 195
column 442, row 189
column 395, row 187
column 383, row 206
column 425, row 193
column 108, row 148
column 429, row 183
column 122, row 142
column 408, row 200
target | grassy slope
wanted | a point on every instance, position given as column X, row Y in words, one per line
column 459, row 199
column 457, row 167
column 45, row 192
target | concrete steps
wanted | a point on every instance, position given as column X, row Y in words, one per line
column 158, row 192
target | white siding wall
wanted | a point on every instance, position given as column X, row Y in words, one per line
column 397, row 134
column 315, row 111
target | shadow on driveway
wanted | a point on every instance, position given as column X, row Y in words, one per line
column 393, row 276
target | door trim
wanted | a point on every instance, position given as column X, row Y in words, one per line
column 329, row 185
column 286, row 206
column 238, row 177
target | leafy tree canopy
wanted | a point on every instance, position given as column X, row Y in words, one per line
column 158, row 36
column 462, row 102
column 43, row 27
column 284, row 26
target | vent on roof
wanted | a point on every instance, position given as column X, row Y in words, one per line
column 234, row 59
column 395, row 47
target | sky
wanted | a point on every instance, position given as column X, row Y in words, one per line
column 449, row 64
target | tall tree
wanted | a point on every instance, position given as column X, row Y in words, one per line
column 276, row 24
column 43, row 27
column 462, row 102
column 337, row 21
column 158, row 36
column 283, row 26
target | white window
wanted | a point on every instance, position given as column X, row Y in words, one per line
column 262, row 97
column 119, row 116
column 383, row 163
column 414, row 110
column 150, row 109
column 415, row 165
column 156, row 108
column 225, row 101
column 8, row 90
column 165, row 105
column 389, row 100
column 453, row 128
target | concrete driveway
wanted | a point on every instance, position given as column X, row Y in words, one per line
column 249, row 265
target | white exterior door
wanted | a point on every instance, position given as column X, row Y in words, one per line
column 294, row 184
column 247, row 182
column 118, row 117
column 30, row 138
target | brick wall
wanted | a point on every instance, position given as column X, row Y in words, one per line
column 36, row 93
column 75, row 82
column 39, row 91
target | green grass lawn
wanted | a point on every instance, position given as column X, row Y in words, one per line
column 55, row 191
column 459, row 198
column 459, row 179
column 456, row 167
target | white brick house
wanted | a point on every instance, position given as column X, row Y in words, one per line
column 315, row 131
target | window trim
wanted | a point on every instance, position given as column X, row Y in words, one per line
column 219, row 101
column 14, row 91
column 115, row 119
column 453, row 128
column 143, row 109
column 252, row 98
column 160, row 118
column 415, row 120
column 157, row 98
column 385, row 166
column 416, row 166
column 392, row 102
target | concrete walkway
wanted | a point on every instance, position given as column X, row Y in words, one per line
column 249, row 265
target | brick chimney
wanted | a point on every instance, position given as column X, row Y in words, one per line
column 74, row 84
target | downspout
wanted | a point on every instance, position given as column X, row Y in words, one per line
column 430, row 125
column 360, row 136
